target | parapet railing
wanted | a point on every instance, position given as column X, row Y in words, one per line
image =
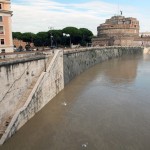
column 80, row 49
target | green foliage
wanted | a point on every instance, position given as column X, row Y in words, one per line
column 86, row 36
column 57, row 36
column 28, row 37
column 86, row 32
column 74, row 33
column 77, row 36
column 41, row 39
column 17, row 35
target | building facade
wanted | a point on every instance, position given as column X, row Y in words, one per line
column 19, row 43
column 117, row 30
column 6, row 44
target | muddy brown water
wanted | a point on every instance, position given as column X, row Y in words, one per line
column 105, row 108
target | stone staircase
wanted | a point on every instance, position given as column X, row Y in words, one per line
column 5, row 122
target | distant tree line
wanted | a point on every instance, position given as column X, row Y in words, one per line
column 58, row 38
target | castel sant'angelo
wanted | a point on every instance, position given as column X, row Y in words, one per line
column 120, row 31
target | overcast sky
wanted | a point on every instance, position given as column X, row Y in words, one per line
column 39, row 15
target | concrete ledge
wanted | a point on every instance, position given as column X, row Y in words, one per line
column 77, row 50
column 21, row 60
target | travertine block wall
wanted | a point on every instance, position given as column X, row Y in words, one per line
column 75, row 62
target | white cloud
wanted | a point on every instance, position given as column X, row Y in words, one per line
column 38, row 15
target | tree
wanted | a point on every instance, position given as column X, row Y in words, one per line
column 28, row 37
column 74, row 33
column 17, row 35
column 41, row 39
column 56, row 37
column 77, row 36
column 86, row 36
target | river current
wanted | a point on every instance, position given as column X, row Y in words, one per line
column 105, row 108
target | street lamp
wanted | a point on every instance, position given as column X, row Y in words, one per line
column 68, row 35
column 51, row 36
column 51, row 40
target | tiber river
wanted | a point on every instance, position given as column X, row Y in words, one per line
column 105, row 108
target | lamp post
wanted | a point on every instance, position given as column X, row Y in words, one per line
column 51, row 36
column 51, row 40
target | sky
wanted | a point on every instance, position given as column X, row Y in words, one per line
column 41, row 15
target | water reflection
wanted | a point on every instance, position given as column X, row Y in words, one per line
column 122, row 70
column 146, row 57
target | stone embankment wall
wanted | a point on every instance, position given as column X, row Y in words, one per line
column 16, row 77
column 18, row 72
column 75, row 62
column 50, row 83
column 62, row 69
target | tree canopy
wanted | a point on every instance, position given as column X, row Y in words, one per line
column 86, row 36
column 57, row 37
column 28, row 37
column 74, row 33
column 41, row 39
column 17, row 35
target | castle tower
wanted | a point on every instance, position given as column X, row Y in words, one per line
column 118, row 31
column 119, row 25
column 6, row 44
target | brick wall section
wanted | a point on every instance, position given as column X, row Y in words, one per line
column 18, row 43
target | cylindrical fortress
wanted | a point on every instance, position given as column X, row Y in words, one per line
column 117, row 30
column 119, row 25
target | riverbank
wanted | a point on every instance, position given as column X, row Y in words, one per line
column 55, row 74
